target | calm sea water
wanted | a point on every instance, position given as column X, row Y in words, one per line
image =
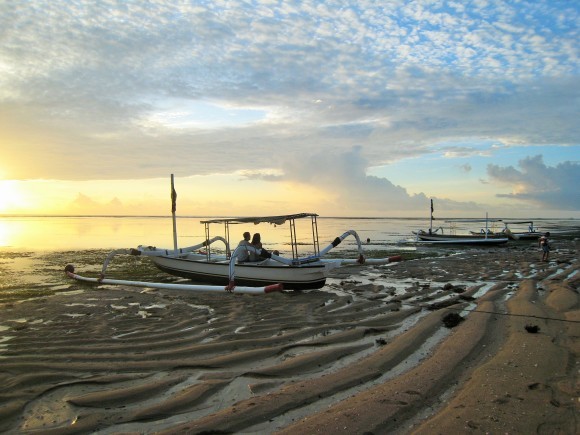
column 34, row 250
column 19, row 234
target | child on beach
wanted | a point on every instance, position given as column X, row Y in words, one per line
column 544, row 243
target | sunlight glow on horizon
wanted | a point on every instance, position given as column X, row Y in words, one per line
column 214, row 196
column 11, row 196
column 217, row 195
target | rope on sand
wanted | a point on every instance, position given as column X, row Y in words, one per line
column 513, row 315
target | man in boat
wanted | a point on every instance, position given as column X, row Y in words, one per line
column 245, row 255
column 545, row 245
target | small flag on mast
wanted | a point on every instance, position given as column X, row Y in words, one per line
column 173, row 197
column 173, row 208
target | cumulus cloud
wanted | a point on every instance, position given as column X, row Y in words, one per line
column 553, row 187
column 86, row 204
column 344, row 176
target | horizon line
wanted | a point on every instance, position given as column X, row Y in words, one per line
column 33, row 215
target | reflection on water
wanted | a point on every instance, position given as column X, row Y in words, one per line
column 34, row 250
column 79, row 233
column 65, row 233
column 4, row 241
column 50, row 234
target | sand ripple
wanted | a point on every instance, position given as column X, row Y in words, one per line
column 369, row 353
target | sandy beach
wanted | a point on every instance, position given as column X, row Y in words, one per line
column 374, row 352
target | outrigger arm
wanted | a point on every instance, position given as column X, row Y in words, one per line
column 338, row 240
column 151, row 251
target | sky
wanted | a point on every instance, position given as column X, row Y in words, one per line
column 267, row 107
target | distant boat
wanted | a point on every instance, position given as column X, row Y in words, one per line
column 459, row 239
column 485, row 237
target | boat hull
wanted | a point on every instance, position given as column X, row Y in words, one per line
column 304, row 277
column 525, row 236
column 461, row 240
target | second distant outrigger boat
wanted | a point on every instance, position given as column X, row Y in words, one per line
column 201, row 264
column 485, row 237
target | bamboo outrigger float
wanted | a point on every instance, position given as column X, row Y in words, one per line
column 226, row 272
column 69, row 270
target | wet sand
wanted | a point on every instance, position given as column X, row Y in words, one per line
column 368, row 354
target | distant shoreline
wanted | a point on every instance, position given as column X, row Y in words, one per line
column 5, row 215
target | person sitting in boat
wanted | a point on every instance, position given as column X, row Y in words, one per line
column 264, row 253
column 245, row 255
column 256, row 243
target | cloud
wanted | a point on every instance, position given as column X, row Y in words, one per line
column 553, row 187
column 84, row 203
column 84, row 86
column 465, row 168
column 344, row 176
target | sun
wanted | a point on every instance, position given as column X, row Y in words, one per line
column 10, row 196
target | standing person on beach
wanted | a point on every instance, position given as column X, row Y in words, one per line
column 244, row 256
column 544, row 243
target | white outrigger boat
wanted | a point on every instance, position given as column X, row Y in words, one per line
column 485, row 237
column 224, row 270
column 297, row 273
column 459, row 239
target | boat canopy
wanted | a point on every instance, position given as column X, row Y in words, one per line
column 519, row 222
column 276, row 220
column 472, row 220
